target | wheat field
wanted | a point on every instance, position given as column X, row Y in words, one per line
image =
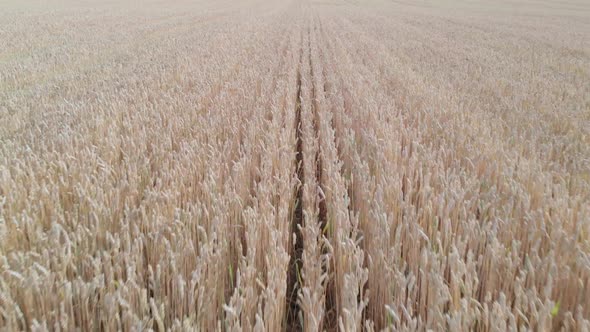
column 295, row 165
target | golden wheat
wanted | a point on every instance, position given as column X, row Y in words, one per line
column 295, row 165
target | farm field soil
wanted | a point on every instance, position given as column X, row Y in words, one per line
column 297, row 165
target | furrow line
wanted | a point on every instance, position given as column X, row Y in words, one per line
column 296, row 242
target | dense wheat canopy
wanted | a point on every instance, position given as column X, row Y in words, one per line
column 287, row 165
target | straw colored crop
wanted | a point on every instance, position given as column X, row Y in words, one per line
column 294, row 165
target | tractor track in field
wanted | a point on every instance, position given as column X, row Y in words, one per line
column 293, row 309
column 330, row 322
